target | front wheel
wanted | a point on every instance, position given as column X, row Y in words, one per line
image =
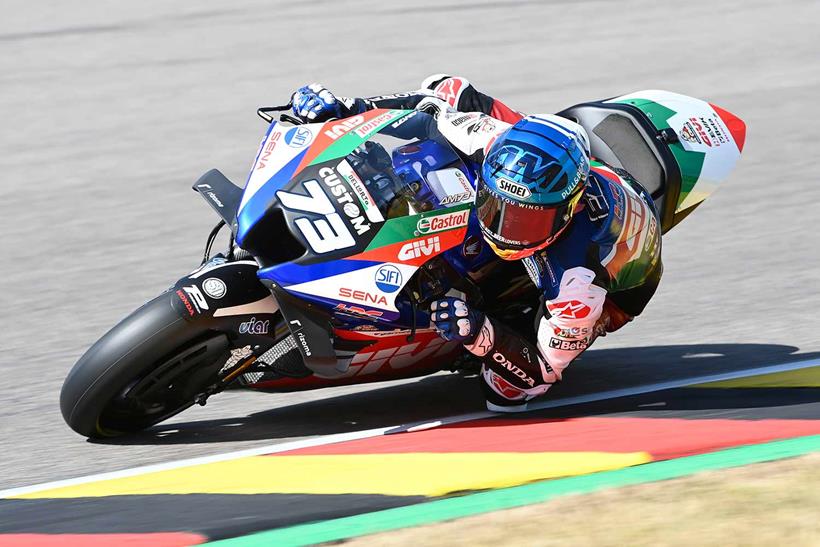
column 149, row 367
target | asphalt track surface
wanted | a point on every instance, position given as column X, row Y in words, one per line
column 110, row 111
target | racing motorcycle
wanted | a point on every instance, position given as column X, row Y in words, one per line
column 344, row 232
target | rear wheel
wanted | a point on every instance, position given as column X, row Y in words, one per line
column 149, row 367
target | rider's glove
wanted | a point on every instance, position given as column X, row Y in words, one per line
column 314, row 103
column 454, row 320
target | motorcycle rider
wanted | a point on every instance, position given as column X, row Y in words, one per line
column 588, row 236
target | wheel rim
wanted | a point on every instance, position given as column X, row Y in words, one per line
column 167, row 388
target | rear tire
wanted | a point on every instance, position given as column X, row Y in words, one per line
column 149, row 367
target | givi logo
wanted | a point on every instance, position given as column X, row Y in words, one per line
column 572, row 309
column 416, row 249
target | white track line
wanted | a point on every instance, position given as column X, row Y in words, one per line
column 340, row 437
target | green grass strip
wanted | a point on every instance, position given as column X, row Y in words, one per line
column 494, row 500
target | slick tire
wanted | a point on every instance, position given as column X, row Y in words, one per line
column 146, row 369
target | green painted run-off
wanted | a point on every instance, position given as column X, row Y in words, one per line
column 494, row 500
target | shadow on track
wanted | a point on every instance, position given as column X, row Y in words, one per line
column 446, row 395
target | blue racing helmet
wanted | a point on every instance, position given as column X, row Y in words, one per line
column 530, row 183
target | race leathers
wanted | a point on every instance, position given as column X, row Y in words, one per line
column 596, row 277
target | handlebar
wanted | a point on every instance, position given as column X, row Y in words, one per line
column 264, row 112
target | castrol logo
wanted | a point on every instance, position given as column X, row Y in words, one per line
column 443, row 222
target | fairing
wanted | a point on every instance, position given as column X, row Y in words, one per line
column 368, row 200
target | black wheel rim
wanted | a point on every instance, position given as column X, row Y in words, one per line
column 166, row 388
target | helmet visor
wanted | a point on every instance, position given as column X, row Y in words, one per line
column 519, row 225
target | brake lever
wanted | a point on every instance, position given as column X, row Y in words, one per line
column 264, row 112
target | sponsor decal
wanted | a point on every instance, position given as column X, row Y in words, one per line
column 356, row 310
column 391, row 96
column 389, row 353
column 323, row 235
column 572, row 309
column 298, row 137
column 214, row 287
column 237, row 355
column 267, row 149
column 472, row 246
column 371, row 125
column 503, row 361
column 300, row 336
column 456, row 198
column 252, row 326
column 344, row 198
column 504, row 388
column 513, row 188
column 464, row 119
column 446, row 221
column 715, row 131
column 449, row 90
column 329, row 233
column 206, row 189
column 388, row 278
column 362, row 296
column 620, row 200
column 701, row 133
column 371, row 210
column 397, row 123
column 341, row 128
column 186, row 303
column 484, row 341
column 568, row 345
column 485, row 125
column 596, row 205
column 296, row 328
column 703, row 130
column 572, row 332
column 569, row 189
column 364, row 328
column 416, row 249
column 197, row 298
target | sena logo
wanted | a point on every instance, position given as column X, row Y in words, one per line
column 572, row 309
column 439, row 223
column 416, row 249
column 513, row 188
column 266, row 152
column 363, row 296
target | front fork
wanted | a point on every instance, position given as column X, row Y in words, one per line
column 226, row 296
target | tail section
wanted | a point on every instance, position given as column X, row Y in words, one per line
column 678, row 147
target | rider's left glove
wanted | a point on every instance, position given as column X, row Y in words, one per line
column 314, row 103
column 455, row 320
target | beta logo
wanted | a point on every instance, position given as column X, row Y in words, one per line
column 513, row 188
column 446, row 221
column 298, row 137
column 416, row 249
column 569, row 345
column 388, row 278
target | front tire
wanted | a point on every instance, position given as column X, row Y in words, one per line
column 146, row 369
